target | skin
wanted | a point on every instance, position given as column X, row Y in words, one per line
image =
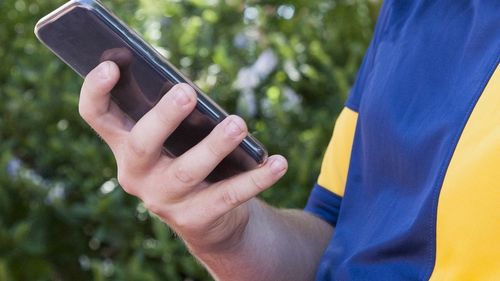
column 236, row 236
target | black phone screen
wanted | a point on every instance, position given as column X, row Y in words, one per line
column 82, row 39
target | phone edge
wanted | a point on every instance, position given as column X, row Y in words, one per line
column 250, row 144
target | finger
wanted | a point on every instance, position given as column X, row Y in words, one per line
column 148, row 135
column 195, row 165
column 95, row 105
column 121, row 56
column 233, row 192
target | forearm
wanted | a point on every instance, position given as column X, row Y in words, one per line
column 276, row 245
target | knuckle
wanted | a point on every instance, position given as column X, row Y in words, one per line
column 178, row 218
column 185, row 221
column 215, row 150
column 127, row 183
column 137, row 148
column 231, row 197
column 153, row 207
column 182, row 176
column 162, row 114
column 181, row 222
column 86, row 113
column 160, row 207
column 257, row 183
column 123, row 179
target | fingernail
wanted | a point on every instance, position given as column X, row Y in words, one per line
column 232, row 129
column 181, row 98
column 278, row 166
column 104, row 69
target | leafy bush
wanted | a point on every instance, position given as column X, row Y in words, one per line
column 286, row 67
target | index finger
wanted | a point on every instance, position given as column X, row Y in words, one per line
column 96, row 107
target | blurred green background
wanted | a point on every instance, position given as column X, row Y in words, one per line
column 285, row 66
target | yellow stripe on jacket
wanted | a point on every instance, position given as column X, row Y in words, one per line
column 337, row 156
column 468, row 216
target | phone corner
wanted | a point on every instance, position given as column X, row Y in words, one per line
column 36, row 29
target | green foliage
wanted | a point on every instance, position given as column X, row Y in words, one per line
column 61, row 215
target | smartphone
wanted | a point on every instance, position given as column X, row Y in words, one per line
column 83, row 33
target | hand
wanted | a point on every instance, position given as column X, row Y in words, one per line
column 208, row 217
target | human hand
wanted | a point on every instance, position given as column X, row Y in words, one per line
column 208, row 217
